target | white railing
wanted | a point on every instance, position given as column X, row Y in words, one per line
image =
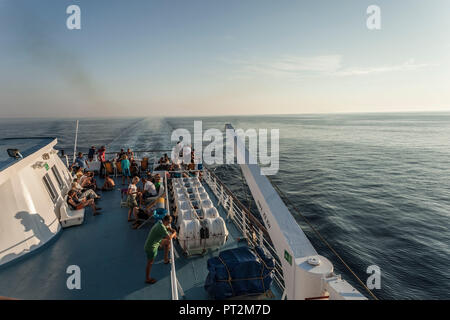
column 250, row 227
column 174, row 284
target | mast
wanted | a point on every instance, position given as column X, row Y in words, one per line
column 75, row 144
column 306, row 274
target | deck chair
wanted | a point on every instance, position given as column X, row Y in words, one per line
column 157, row 215
column 109, row 168
column 118, row 168
column 152, row 200
column 150, row 203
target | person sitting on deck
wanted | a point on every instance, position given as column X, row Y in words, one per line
column 77, row 204
column 109, row 183
column 157, row 182
column 176, row 167
column 79, row 173
column 84, row 193
column 134, row 168
column 132, row 197
column 125, row 164
column 158, row 236
column 191, row 168
column 149, row 189
column 87, row 181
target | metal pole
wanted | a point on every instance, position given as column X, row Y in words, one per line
column 75, row 145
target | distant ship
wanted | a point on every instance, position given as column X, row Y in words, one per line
column 40, row 237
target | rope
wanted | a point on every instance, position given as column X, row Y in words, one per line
column 323, row 240
column 229, row 275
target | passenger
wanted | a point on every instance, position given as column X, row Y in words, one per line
column 149, row 189
column 87, row 181
column 176, row 167
column 133, row 195
column 79, row 173
column 120, row 154
column 109, row 183
column 76, row 204
column 130, row 154
column 84, row 193
column 102, row 159
column 91, row 153
column 157, row 182
column 81, row 161
column 125, row 163
column 191, row 168
column 158, row 236
column 134, row 168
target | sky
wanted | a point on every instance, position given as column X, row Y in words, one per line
column 222, row 57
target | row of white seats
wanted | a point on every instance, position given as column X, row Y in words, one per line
column 69, row 217
column 196, row 235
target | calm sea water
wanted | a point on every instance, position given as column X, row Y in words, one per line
column 377, row 186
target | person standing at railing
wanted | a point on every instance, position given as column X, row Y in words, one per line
column 159, row 236
column 130, row 154
column 81, row 161
column 91, row 153
column 120, row 155
column 102, row 159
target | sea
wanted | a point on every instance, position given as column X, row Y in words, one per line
column 376, row 185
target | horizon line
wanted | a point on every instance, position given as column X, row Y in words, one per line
column 229, row 115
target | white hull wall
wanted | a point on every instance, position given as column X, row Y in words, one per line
column 28, row 216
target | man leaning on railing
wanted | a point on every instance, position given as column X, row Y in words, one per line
column 160, row 235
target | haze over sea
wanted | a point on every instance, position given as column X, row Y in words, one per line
column 376, row 186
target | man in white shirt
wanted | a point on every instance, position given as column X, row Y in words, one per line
column 149, row 189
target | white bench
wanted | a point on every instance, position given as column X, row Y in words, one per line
column 69, row 217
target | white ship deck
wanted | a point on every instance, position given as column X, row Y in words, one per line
column 111, row 257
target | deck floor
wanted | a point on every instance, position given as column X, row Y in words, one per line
column 111, row 258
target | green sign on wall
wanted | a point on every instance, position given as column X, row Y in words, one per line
column 288, row 257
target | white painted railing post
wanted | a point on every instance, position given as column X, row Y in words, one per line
column 221, row 195
column 230, row 214
column 244, row 225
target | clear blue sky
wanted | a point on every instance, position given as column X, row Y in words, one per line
column 203, row 57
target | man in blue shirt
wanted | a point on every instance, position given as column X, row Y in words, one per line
column 81, row 161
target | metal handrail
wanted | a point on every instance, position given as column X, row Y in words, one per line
column 173, row 272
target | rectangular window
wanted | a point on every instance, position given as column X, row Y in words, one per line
column 50, row 188
column 58, row 177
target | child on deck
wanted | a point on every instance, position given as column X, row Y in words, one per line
column 125, row 164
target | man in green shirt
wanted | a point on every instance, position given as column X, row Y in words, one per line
column 159, row 236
